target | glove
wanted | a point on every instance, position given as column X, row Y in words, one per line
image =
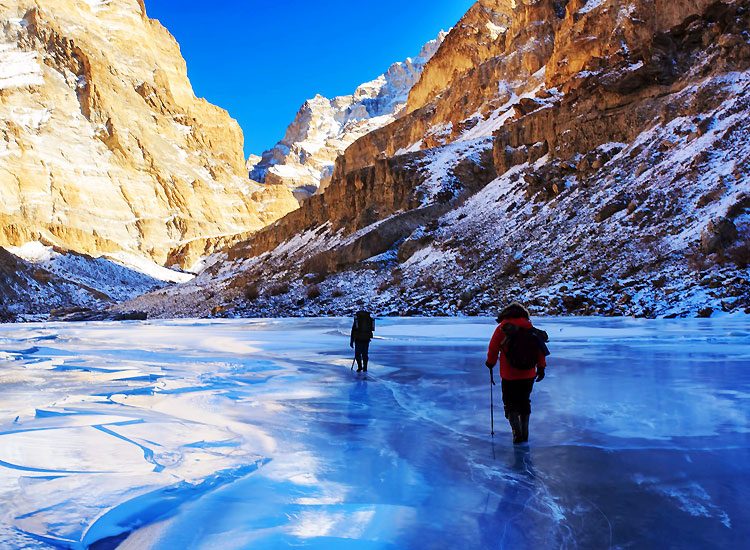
column 488, row 365
column 539, row 374
column 351, row 344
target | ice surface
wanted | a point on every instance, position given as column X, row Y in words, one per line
column 256, row 434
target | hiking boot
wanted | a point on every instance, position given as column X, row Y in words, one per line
column 514, row 419
column 524, row 428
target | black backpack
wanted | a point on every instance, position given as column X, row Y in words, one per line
column 521, row 346
column 364, row 325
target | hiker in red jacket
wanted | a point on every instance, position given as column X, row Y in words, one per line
column 522, row 353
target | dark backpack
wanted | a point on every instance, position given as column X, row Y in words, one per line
column 521, row 346
column 364, row 325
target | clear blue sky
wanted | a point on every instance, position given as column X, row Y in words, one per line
column 261, row 60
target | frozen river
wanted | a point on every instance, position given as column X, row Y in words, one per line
column 176, row 435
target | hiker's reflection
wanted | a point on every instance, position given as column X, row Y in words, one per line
column 358, row 408
column 510, row 508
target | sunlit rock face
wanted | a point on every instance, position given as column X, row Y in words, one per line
column 478, row 36
column 104, row 145
column 598, row 164
column 324, row 128
column 496, row 54
column 599, row 33
column 501, row 52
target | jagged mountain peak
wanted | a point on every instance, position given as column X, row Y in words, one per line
column 303, row 160
column 477, row 36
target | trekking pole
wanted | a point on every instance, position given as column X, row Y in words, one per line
column 352, row 367
column 492, row 405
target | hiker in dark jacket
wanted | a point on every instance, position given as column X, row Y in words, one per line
column 517, row 383
column 362, row 330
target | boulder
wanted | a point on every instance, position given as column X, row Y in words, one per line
column 718, row 235
column 610, row 209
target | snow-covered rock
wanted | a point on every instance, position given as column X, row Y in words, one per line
column 623, row 190
column 324, row 128
column 37, row 280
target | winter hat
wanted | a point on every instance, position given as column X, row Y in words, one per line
column 514, row 310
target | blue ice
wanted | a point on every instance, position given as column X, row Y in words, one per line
column 256, row 434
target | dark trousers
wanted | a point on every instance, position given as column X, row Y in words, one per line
column 361, row 347
column 517, row 395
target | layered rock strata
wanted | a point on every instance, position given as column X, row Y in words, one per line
column 478, row 36
column 498, row 54
column 105, row 146
column 621, row 190
column 390, row 192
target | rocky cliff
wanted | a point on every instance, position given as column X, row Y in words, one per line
column 479, row 35
column 594, row 160
column 323, row 128
column 496, row 56
column 39, row 282
column 104, row 145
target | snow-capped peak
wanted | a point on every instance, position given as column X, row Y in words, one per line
column 324, row 128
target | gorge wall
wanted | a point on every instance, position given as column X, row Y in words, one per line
column 592, row 160
column 104, row 145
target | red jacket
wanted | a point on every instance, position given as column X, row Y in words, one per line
column 506, row 370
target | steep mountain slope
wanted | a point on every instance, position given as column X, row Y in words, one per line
column 105, row 147
column 37, row 282
column 324, row 128
column 26, row 290
column 603, row 171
